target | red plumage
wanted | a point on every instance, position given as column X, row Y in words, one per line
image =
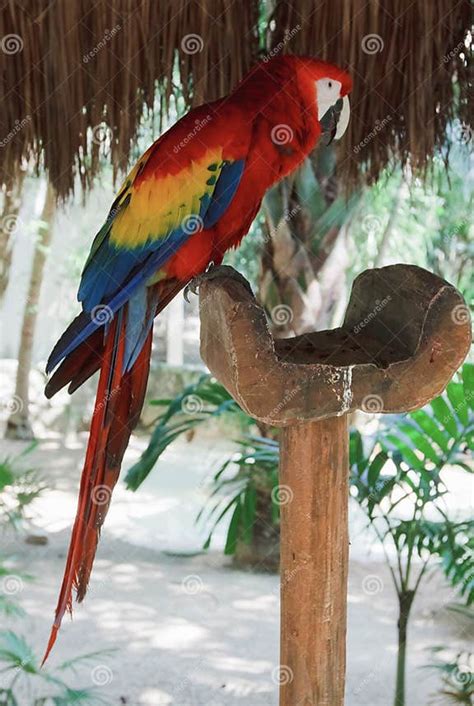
column 143, row 238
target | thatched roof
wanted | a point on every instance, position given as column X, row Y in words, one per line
column 76, row 69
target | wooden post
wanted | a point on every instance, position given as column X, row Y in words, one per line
column 405, row 333
column 314, row 469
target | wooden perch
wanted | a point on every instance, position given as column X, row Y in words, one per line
column 405, row 333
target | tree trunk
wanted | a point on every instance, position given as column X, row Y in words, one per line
column 18, row 425
column 405, row 603
column 9, row 225
column 305, row 216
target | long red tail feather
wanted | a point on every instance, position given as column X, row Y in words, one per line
column 117, row 409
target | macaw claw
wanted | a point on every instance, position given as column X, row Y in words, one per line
column 213, row 272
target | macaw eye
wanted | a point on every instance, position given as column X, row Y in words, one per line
column 329, row 84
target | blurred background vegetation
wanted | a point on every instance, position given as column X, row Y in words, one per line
column 399, row 189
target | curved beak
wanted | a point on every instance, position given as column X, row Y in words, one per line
column 335, row 120
column 343, row 121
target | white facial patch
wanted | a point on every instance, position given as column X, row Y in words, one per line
column 328, row 92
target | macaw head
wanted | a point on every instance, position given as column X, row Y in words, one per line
column 332, row 86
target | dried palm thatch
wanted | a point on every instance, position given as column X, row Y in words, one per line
column 72, row 70
column 70, row 66
column 410, row 65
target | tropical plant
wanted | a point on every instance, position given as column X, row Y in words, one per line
column 245, row 484
column 457, row 681
column 18, row 659
column 246, row 488
column 10, row 583
column 399, row 482
column 197, row 403
column 456, row 668
column 19, row 487
column 401, row 469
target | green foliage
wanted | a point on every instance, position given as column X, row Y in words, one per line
column 403, row 469
column 18, row 658
column 399, row 484
column 237, row 486
column 240, row 481
column 8, row 606
column 19, row 487
column 407, row 455
column 457, row 682
column 428, row 223
column 199, row 402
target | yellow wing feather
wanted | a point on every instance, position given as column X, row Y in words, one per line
column 158, row 205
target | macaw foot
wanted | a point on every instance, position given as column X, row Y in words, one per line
column 214, row 272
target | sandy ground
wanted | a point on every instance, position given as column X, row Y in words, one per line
column 191, row 630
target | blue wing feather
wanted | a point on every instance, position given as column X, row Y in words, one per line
column 112, row 275
column 224, row 192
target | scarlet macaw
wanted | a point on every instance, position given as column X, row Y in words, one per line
column 191, row 196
